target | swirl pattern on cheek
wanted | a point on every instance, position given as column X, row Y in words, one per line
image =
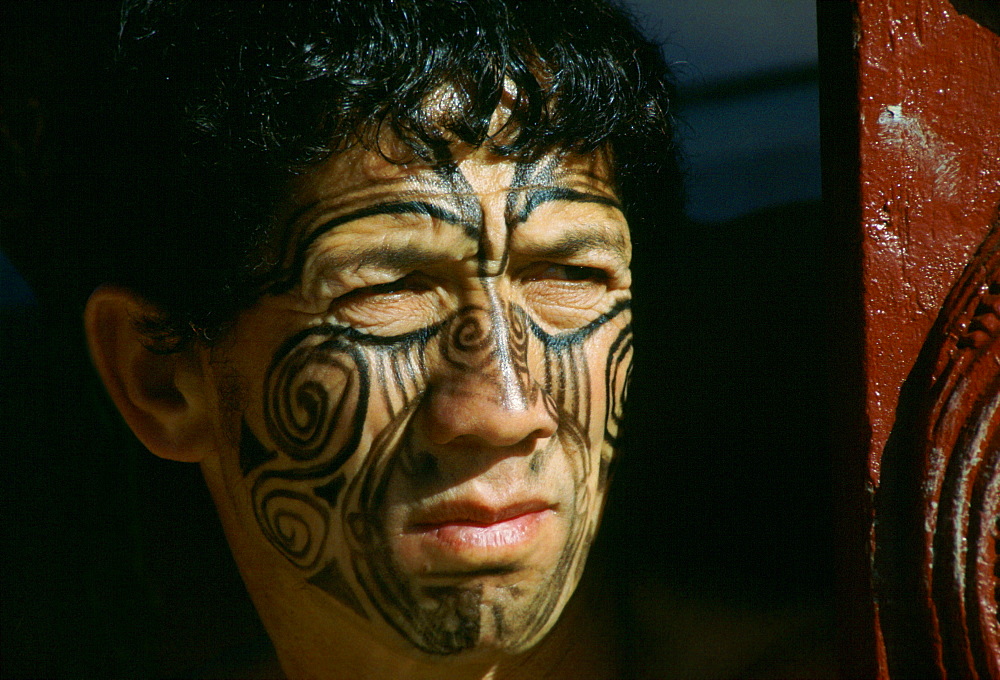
column 296, row 524
column 316, row 394
column 308, row 396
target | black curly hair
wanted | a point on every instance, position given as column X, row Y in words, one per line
column 219, row 105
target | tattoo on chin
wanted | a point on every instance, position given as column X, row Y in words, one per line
column 319, row 490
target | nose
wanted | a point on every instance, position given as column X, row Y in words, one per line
column 484, row 394
column 471, row 413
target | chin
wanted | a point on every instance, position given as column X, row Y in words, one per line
column 471, row 587
column 483, row 619
column 494, row 607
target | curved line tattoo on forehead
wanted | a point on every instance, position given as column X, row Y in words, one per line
column 320, row 391
column 465, row 212
column 288, row 277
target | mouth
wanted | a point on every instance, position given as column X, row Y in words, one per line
column 481, row 526
column 462, row 538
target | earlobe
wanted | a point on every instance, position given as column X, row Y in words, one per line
column 161, row 397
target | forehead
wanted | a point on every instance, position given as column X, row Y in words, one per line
column 472, row 203
column 358, row 172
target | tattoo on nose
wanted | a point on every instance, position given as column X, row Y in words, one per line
column 468, row 339
column 325, row 387
column 494, row 344
column 517, row 330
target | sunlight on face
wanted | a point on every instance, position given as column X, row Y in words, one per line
column 433, row 386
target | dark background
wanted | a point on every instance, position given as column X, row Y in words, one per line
column 719, row 527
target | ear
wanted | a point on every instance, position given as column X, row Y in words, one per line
column 161, row 397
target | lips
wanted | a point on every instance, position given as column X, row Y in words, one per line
column 458, row 536
column 472, row 513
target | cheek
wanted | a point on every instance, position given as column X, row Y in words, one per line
column 304, row 423
column 616, row 375
column 310, row 403
column 328, row 409
column 609, row 354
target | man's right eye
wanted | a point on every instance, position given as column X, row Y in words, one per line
column 408, row 282
column 412, row 282
column 389, row 308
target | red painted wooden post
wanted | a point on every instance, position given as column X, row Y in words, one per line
column 928, row 93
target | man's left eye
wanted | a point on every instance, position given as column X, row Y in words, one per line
column 565, row 296
column 569, row 272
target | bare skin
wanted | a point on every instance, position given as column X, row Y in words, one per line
column 408, row 436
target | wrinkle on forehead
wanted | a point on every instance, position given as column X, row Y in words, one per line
column 359, row 173
column 489, row 196
column 394, row 161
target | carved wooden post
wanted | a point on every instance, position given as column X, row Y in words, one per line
column 928, row 94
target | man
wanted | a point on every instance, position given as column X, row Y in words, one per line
column 374, row 277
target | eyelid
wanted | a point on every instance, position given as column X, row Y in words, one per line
column 415, row 281
column 332, row 274
column 334, row 283
column 604, row 260
column 539, row 269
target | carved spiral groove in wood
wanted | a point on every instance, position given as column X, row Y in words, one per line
column 938, row 509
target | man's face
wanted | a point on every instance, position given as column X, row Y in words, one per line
column 431, row 390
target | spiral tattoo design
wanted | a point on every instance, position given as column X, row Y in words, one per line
column 468, row 333
column 319, row 488
column 295, row 523
column 311, row 393
column 316, row 395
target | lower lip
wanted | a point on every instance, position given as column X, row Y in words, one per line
column 509, row 532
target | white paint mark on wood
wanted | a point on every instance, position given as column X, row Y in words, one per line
column 927, row 153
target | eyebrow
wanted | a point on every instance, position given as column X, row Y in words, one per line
column 539, row 196
column 581, row 239
column 390, row 208
column 397, row 258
